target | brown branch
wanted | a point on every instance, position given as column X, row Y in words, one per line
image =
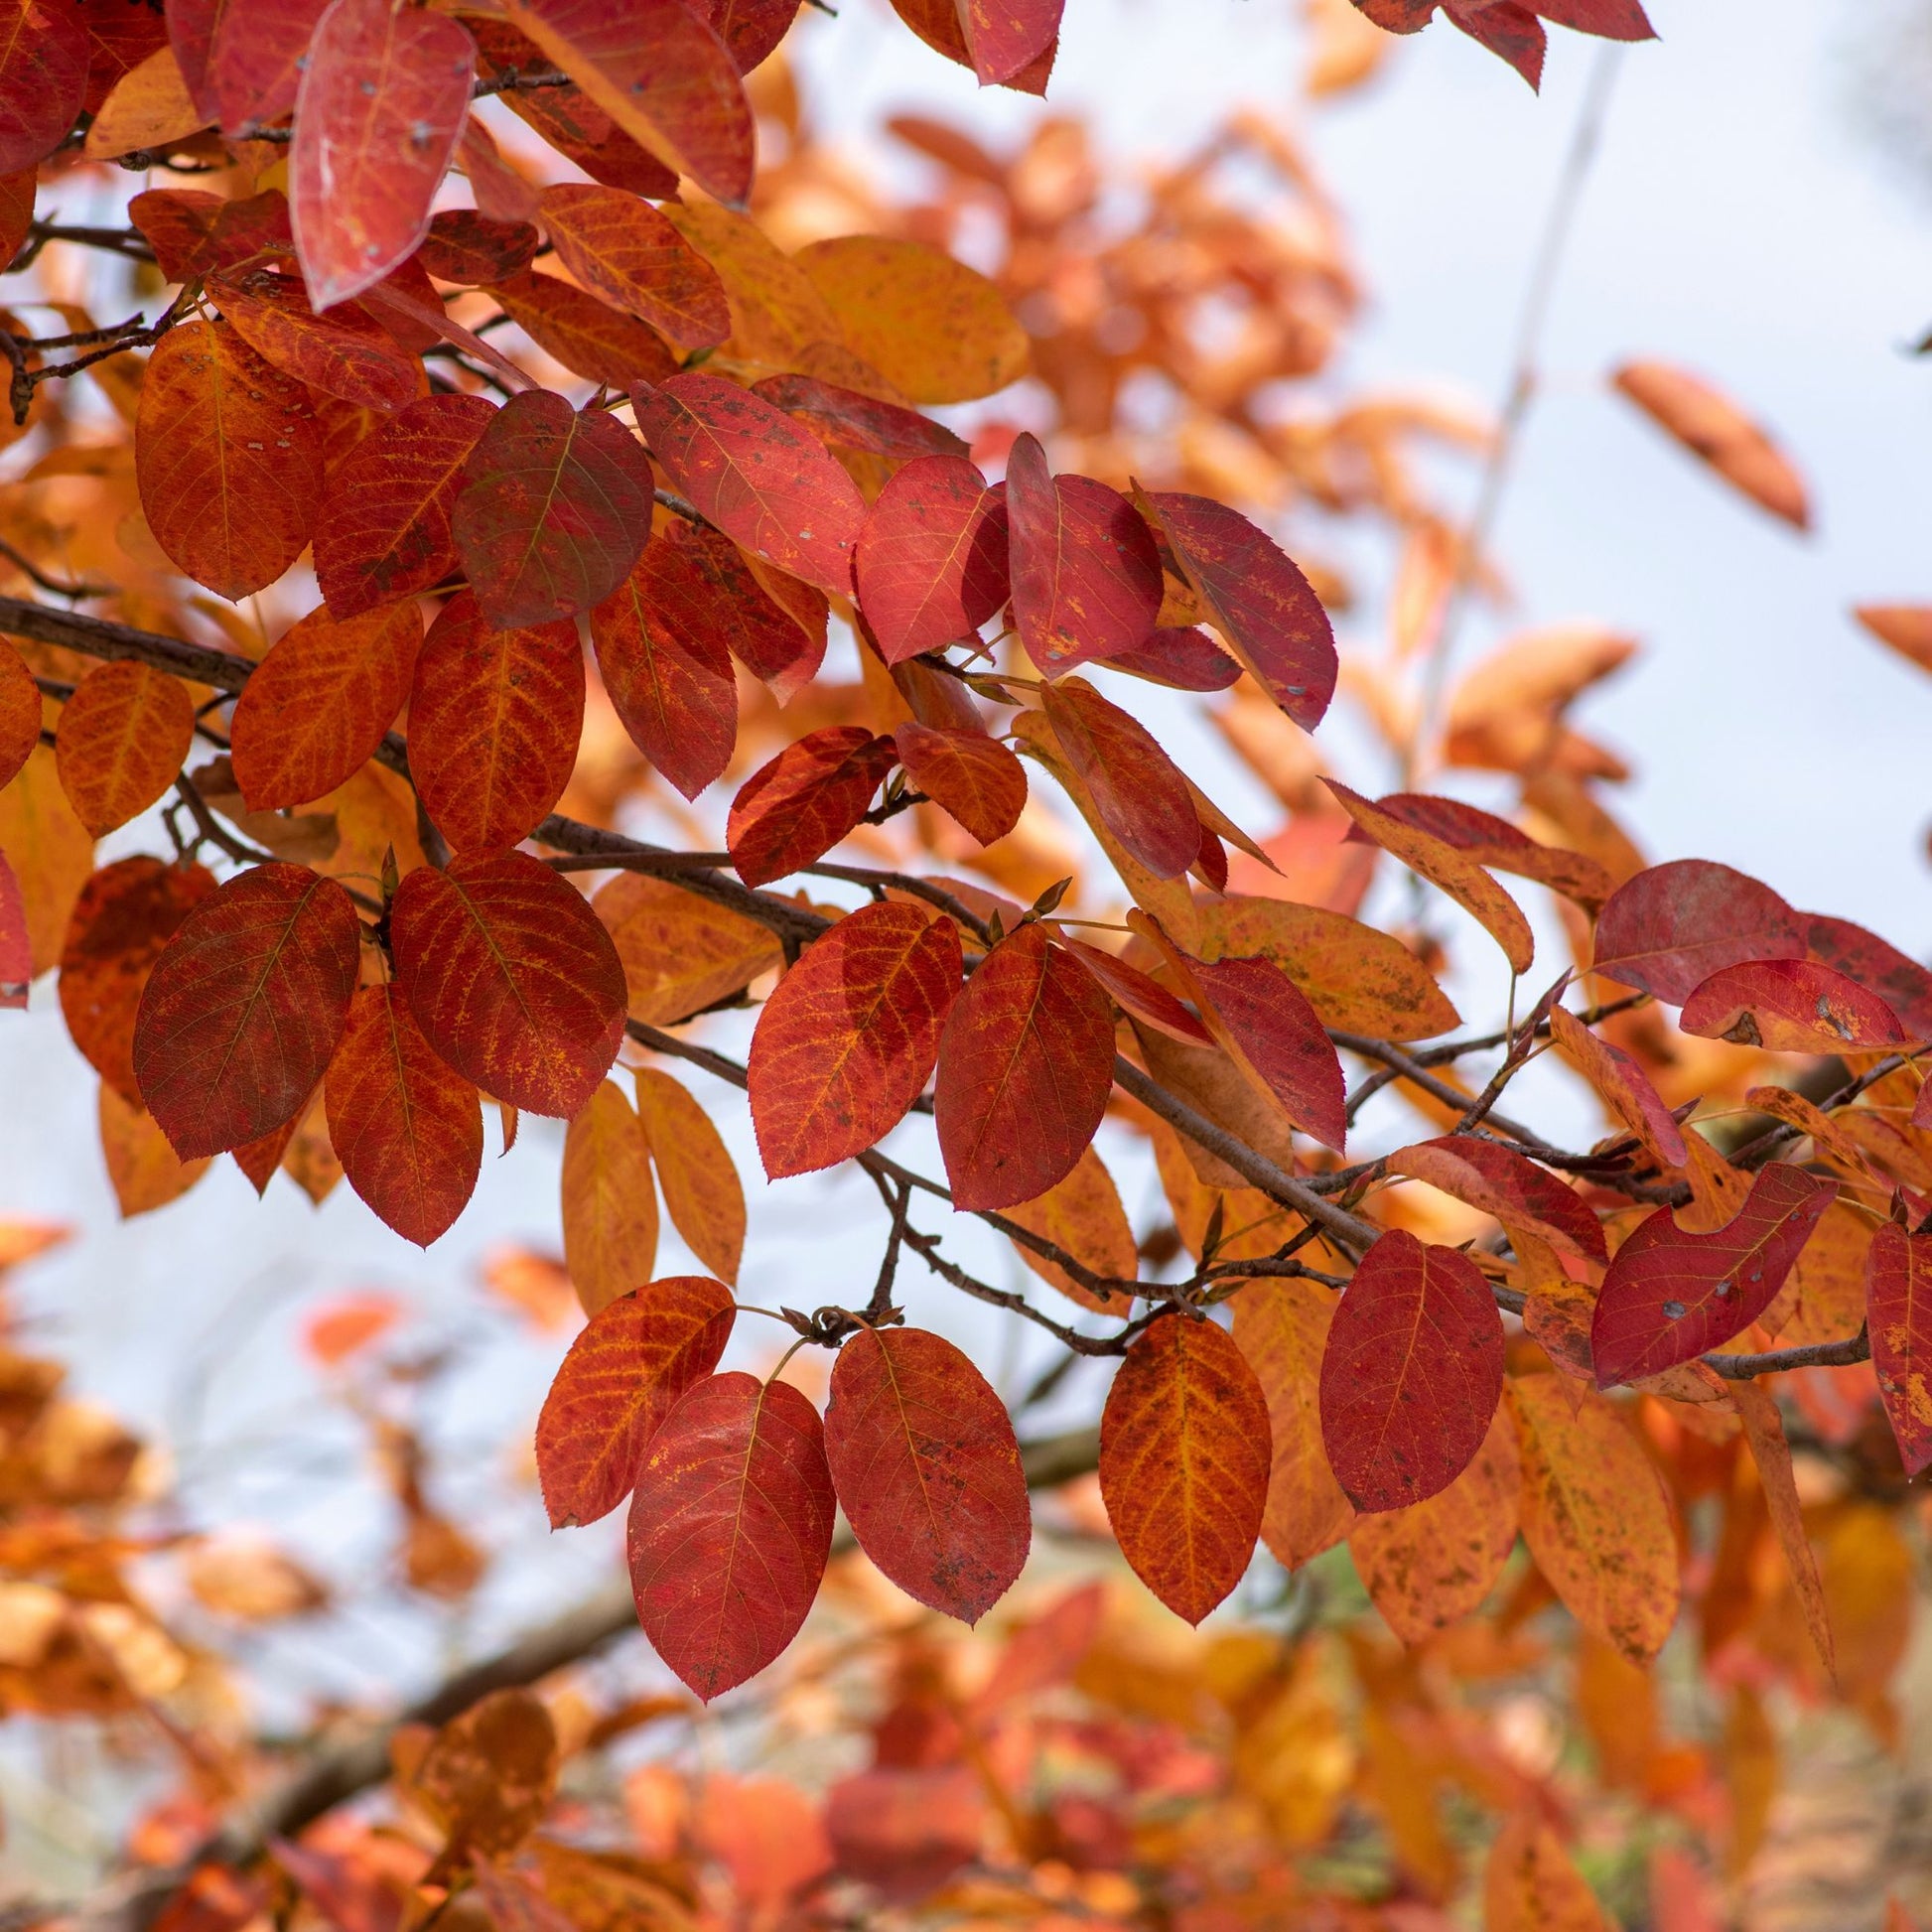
column 1775, row 1361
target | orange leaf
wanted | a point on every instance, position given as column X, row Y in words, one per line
column 317, row 707
column 932, row 566
column 143, row 1170
column 227, row 458
column 242, row 1010
column 637, row 1356
column 926, row 1465
column 1623, row 1087
column 610, row 1207
column 973, row 779
column 1715, row 430
column 796, row 807
column 19, row 712
column 494, row 716
column 1501, row 1183
column 1183, row 1461
column 730, row 1529
column 1764, row 1432
column 845, row 1041
column 1083, row 1216
column 679, row 952
column 1025, row 1065
column 346, row 354
column 700, row 1188
column 1412, row 1372
column 407, row 1129
column 1899, row 1289
column 1596, row 1515
column 511, row 977
column 623, row 249
column 1530, row 1885
column 120, row 743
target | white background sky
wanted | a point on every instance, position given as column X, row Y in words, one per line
column 1739, row 223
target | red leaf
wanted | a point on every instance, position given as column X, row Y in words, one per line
column 20, row 713
column 1411, row 1373
column 1256, row 597
column 316, row 707
column 227, row 458
column 970, row 777
column 854, row 421
column 1138, row 790
column 1025, row 1064
column 849, row 1035
column 752, row 470
column 666, row 665
column 1180, row 656
column 1278, row 1037
column 1790, row 1006
column 1086, row 576
column 194, row 235
column 1494, row 841
column 511, row 977
column 1185, row 1455
column 932, row 556
column 1879, row 966
column 474, row 249
column 384, row 532
column 43, row 77
column 1505, row 29
column 776, row 627
column 241, row 63
column 1612, row 20
column 662, row 75
column 926, row 1467
column 730, row 1529
column 588, row 336
column 751, row 29
column 555, row 507
column 16, row 946
column 1668, row 930
column 624, row 250
column 1624, row 1087
column 242, row 1010
column 382, row 99
column 800, row 804
column 1669, row 1296
column 1899, row 1300
column 495, row 717
column 1498, row 1181
column 123, row 920
column 1008, row 36
column 407, row 1129
column 622, row 1377
column 1145, row 998
column 346, row 354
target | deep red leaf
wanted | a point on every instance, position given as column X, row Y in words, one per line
column 970, row 777
column 242, row 1010
column 407, row 1129
column 474, row 249
column 242, row 62
column 15, row 945
column 1411, row 1373
column 1134, row 992
column 1898, row 1301
column 620, row 1380
column 800, row 804
column 192, row 234
column 318, row 704
column 730, row 1529
column 1025, row 1064
column 1008, row 36
column 1138, row 790
column 345, row 353
column 932, row 556
column 495, row 717
column 1505, row 29
column 623, row 249
column 43, row 77
column 854, row 421
column 1184, row 1456
column 554, row 509
column 1267, row 1020
column 125, row 915
column 845, row 1042
column 382, row 99
column 1613, row 20
column 752, row 470
column 1879, row 966
column 1669, row 928
column 751, row 29
column 1182, row 656
column 1086, row 576
column 1791, row 1005
column 1256, row 597
column 926, row 1469
column 663, row 647
column 588, row 336
column 1669, row 1296
column 512, row 978
column 384, row 532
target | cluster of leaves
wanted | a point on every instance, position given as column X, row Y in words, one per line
column 555, row 582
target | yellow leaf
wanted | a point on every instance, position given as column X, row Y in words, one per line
column 50, row 850
column 776, row 311
column 1764, row 1432
column 1530, row 1884
column 680, row 952
column 1081, row 1215
column 145, row 1170
column 610, row 1207
column 702, row 1193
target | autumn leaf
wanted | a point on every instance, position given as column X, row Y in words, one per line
column 121, row 742
column 16, row 946
column 1025, row 1064
column 1669, row 1296
column 852, row 420
column 144, row 1171
column 931, row 563
column 729, row 1528
column 1500, row 846
column 1623, row 1087
column 1082, row 1216
column 1715, row 431
column 926, row 1469
column 511, row 977
column 1899, row 1287
column 1135, row 786
column 43, row 78
column 20, row 713
column 623, row 249
column 975, row 779
column 1529, row 1883
column 466, row 246
column 346, row 354
column 587, row 336
column 242, row 1012
column 774, row 625
column 1412, row 1372
column 1183, row 1461
column 700, row 1186
column 494, row 716
column 407, row 1129
column 554, row 508
column 1758, row 1411
column 192, row 234
column 680, row 953
column 848, row 1038
column 799, row 806
column 381, row 102
column 1791, row 1005
column 1136, row 993
column 1498, row 1181
column 752, row 470
column 622, row 1377
column 1875, row 964
column 1668, row 930
column 317, row 707
column 610, row 1207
